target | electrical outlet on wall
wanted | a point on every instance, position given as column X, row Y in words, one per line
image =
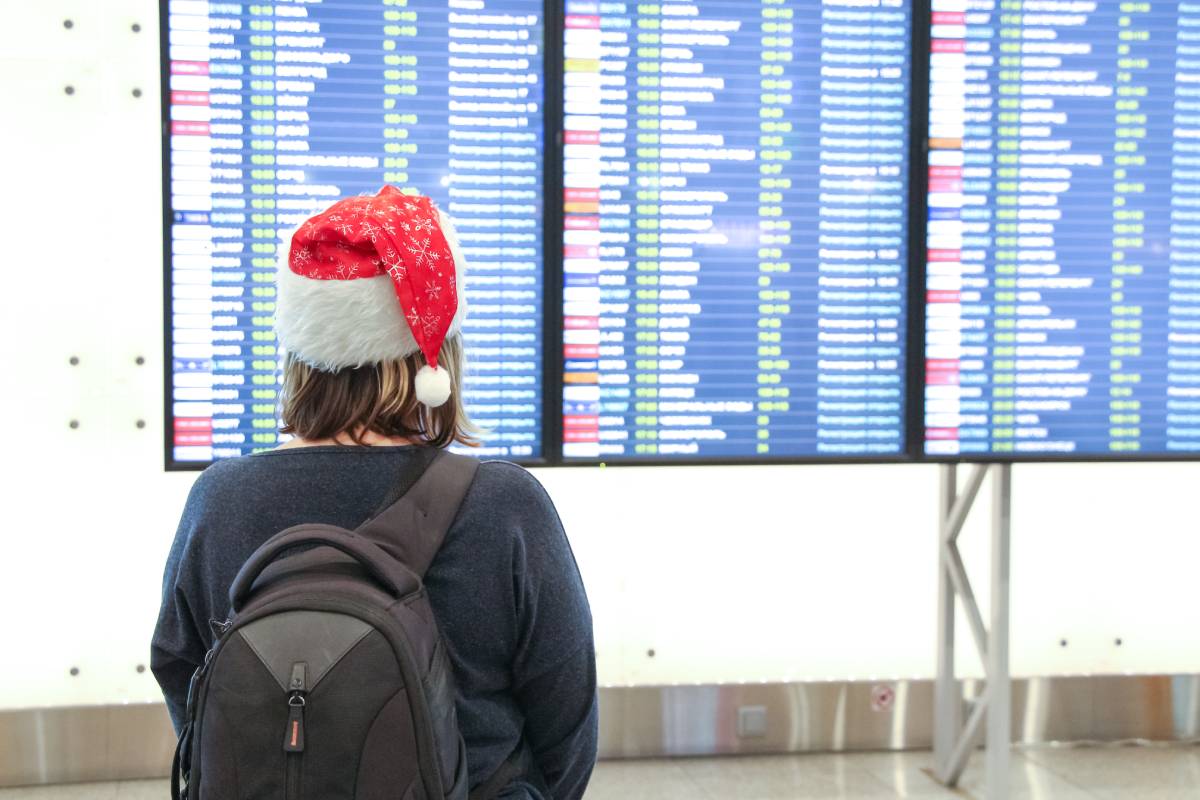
column 752, row 722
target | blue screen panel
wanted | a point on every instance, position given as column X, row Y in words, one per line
column 276, row 110
column 1063, row 274
column 735, row 197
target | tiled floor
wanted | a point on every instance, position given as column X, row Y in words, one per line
column 1102, row 773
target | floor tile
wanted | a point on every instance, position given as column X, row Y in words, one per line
column 910, row 775
column 779, row 777
column 627, row 780
column 75, row 791
column 1116, row 769
column 143, row 790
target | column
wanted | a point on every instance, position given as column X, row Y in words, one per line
column 582, row 181
column 191, row 229
column 944, row 232
column 1182, row 387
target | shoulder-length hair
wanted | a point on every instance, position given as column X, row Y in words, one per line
column 375, row 398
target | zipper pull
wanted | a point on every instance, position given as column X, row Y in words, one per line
column 293, row 738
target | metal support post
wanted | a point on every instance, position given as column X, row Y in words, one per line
column 947, row 697
column 999, row 683
column 952, row 741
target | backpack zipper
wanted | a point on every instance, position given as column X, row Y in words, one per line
column 356, row 607
column 197, row 700
column 293, row 736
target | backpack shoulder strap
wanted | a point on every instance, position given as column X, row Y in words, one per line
column 513, row 767
column 413, row 527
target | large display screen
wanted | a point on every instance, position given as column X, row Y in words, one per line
column 277, row 109
column 734, row 230
column 1063, row 314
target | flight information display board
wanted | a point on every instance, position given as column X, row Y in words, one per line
column 734, row 237
column 1063, row 271
column 274, row 111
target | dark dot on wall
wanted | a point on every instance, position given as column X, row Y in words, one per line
column 74, row 361
column 136, row 28
column 69, row 89
column 1120, row 642
column 68, row 23
column 141, row 423
column 141, row 668
column 1062, row 643
column 140, row 360
column 137, row 92
column 74, row 671
column 650, row 653
column 74, row 424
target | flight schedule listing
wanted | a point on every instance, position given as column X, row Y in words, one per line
column 278, row 109
column 1063, row 273
column 735, row 184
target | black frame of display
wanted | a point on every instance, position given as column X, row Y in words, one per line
column 552, row 313
column 551, row 234
column 918, row 379
column 914, row 365
column 168, row 219
column 918, row 200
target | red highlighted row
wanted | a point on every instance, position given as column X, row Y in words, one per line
column 580, row 435
column 581, row 21
column 941, row 372
column 581, row 137
column 189, row 67
column 189, row 98
column 581, row 195
column 945, row 185
column 193, row 439
column 193, row 431
column 183, row 128
column 948, row 46
column 582, row 323
column 949, row 18
column 581, row 351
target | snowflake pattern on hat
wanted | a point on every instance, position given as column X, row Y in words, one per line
column 390, row 234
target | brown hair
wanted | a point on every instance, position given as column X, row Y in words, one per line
column 376, row 398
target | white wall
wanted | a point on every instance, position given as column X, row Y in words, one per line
column 752, row 573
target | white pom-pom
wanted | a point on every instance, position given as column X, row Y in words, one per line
column 433, row 386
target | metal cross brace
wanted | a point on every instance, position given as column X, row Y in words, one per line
column 952, row 741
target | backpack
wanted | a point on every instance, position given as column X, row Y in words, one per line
column 330, row 679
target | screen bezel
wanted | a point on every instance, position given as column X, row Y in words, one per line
column 913, row 394
column 552, row 356
column 918, row 378
column 551, row 275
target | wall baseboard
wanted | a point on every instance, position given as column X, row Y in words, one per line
column 108, row 743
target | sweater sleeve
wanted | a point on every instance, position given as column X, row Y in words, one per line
column 554, row 668
column 177, row 647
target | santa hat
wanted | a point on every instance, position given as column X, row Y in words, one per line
column 373, row 279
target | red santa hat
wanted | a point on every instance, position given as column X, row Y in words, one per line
column 373, row 279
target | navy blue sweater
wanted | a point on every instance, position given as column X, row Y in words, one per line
column 505, row 588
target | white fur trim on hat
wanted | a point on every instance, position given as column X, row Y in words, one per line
column 336, row 324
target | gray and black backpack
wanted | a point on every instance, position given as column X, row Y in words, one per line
column 330, row 679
